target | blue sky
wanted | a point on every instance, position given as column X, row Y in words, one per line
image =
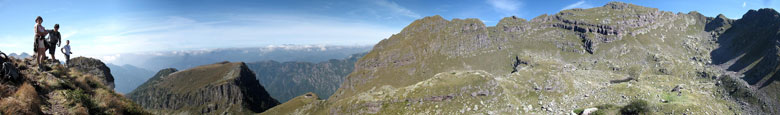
column 108, row 27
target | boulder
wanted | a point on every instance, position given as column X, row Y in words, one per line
column 588, row 111
column 94, row 67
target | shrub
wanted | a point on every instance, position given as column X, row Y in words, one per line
column 76, row 96
column 79, row 97
column 636, row 107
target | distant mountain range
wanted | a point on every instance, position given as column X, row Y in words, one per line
column 136, row 68
column 286, row 80
column 192, row 58
column 19, row 56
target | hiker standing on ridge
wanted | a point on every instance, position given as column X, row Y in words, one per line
column 54, row 41
column 66, row 51
column 40, row 34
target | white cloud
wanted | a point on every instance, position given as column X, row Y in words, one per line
column 233, row 31
column 397, row 8
column 744, row 4
column 510, row 7
column 109, row 58
column 578, row 4
column 106, row 37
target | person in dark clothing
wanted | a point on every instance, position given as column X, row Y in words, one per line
column 54, row 41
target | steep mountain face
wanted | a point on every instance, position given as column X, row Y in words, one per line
column 287, row 80
column 750, row 48
column 81, row 88
column 651, row 61
column 210, row 89
column 128, row 77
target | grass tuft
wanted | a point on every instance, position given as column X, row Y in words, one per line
column 25, row 101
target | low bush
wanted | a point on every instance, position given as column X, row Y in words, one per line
column 636, row 107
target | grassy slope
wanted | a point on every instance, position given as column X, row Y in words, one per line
column 435, row 57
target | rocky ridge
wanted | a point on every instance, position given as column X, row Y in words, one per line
column 552, row 64
column 210, row 89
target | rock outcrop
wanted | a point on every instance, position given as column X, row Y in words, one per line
column 94, row 67
column 210, row 89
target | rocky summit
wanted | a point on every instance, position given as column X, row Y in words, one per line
column 83, row 87
column 615, row 59
column 94, row 67
column 219, row 88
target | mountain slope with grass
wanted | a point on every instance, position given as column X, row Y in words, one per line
column 616, row 59
column 83, row 87
column 221, row 88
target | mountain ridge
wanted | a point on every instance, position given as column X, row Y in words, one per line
column 603, row 57
column 216, row 88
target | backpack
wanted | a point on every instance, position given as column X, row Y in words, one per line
column 7, row 69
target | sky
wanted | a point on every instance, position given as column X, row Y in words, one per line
column 109, row 27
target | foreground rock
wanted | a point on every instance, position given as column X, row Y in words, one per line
column 85, row 88
column 210, row 89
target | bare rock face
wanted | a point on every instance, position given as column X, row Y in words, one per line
column 95, row 67
column 209, row 89
column 750, row 48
